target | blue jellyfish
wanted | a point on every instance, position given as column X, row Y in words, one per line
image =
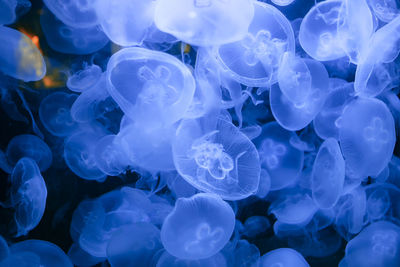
column 285, row 257
column 23, row 259
column 132, row 244
column 167, row 260
column 328, row 174
column 265, row 184
column 216, row 157
column 55, row 115
column 385, row 10
column 243, row 254
column 125, row 22
column 179, row 187
column 366, row 136
column 318, row 34
column 75, row 13
column 7, row 11
column 278, row 157
column 48, row 253
column 151, row 87
column 300, row 109
column 198, row 227
column 84, row 79
column 19, row 57
column 382, row 201
column 377, row 245
column 28, row 195
column 255, row 225
column 204, row 22
column 79, row 257
column 31, row 146
column 69, row 39
column 255, row 59
column 79, row 154
column 282, row 2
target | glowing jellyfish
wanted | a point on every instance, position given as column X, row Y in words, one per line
column 282, row 2
column 328, row 174
column 382, row 202
column 256, row 225
column 204, row 22
column 385, row 10
column 198, row 227
column 318, row 34
column 28, row 195
column 167, row 260
column 132, row 244
column 284, row 257
column 372, row 76
column 79, row 155
column 79, row 257
column 326, row 122
column 31, row 146
column 367, row 137
column 216, row 158
column 244, row 254
column 125, row 22
column 278, row 157
column 55, row 115
column 378, row 203
column 254, row 60
column 7, row 11
column 377, row 245
column 84, row 79
column 70, row 40
column 75, row 13
column 150, row 87
column 49, row 254
column 19, row 57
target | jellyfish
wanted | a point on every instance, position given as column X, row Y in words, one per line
column 382, row 201
column 282, row 2
column 328, row 174
column 377, row 245
column 84, row 79
column 256, row 225
column 69, row 39
column 265, row 184
column 31, row 146
column 204, row 22
column 326, row 123
column 215, row 157
column 285, row 257
column 278, row 157
column 79, row 154
column 385, row 10
column 20, row 58
column 151, row 87
column 79, row 257
column 55, row 115
column 28, row 195
column 7, row 11
column 366, row 136
column 255, row 59
column 4, row 250
column 243, row 254
column 179, row 187
column 75, row 13
column 296, row 115
column 125, row 22
column 378, row 203
column 198, row 227
column 133, row 244
column 318, row 34
column 167, row 260
column 23, row 259
column 48, row 253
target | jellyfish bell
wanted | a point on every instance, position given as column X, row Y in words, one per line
column 285, row 257
column 84, row 79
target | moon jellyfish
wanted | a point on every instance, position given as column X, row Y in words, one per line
column 328, row 174
column 7, row 11
column 150, row 86
column 133, row 244
column 297, row 114
column 278, row 157
column 75, row 13
column 125, row 22
column 71, row 40
column 84, row 79
column 31, row 146
column 378, row 203
column 367, row 137
column 79, row 257
column 216, row 159
column 255, row 59
column 385, row 10
column 256, row 225
column 282, row 2
column 55, row 115
column 377, row 245
column 327, row 121
column 198, row 227
column 285, row 257
column 204, row 22
column 49, row 254
column 79, row 155
column 264, row 185
column 167, row 260
column 318, row 34
column 19, row 57
column 382, row 202
column 28, row 195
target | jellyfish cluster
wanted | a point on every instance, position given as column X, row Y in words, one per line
column 186, row 133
